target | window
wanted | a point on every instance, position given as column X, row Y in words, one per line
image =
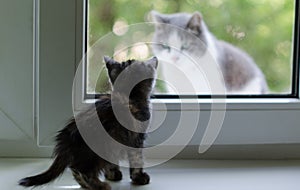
column 273, row 122
column 266, row 30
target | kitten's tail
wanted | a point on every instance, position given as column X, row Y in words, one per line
column 58, row 167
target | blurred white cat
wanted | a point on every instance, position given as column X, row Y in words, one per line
column 193, row 60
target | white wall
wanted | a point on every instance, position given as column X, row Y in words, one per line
column 37, row 64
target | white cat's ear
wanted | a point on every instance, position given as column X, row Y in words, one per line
column 194, row 24
column 158, row 17
column 153, row 62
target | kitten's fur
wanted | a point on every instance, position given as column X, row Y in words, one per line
column 72, row 151
column 241, row 74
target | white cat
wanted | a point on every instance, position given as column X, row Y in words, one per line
column 194, row 61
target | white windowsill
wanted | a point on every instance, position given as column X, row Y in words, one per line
column 175, row 174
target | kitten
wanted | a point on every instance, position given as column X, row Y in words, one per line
column 72, row 151
column 240, row 73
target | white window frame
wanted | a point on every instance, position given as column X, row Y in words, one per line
column 267, row 127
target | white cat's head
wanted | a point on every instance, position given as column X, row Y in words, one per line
column 178, row 36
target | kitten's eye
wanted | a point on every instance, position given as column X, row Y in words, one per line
column 165, row 46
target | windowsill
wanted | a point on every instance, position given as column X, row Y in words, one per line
column 174, row 174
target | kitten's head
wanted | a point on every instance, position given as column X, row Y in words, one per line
column 133, row 76
column 178, row 35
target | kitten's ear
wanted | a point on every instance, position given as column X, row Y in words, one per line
column 158, row 18
column 153, row 62
column 113, row 68
column 109, row 62
column 194, row 24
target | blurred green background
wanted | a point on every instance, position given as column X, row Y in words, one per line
column 263, row 28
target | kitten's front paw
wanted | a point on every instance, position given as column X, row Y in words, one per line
column 140, row 178
column 115, row 175
column 104, row 186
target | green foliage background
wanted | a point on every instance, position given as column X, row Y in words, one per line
column 264, row 28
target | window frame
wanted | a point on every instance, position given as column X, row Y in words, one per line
column 279, row 107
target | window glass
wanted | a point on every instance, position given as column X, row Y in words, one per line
column 249, row 42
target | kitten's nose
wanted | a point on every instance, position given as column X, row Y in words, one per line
column 175, row 58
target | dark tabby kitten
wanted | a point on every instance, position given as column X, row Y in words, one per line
column 72, row 151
